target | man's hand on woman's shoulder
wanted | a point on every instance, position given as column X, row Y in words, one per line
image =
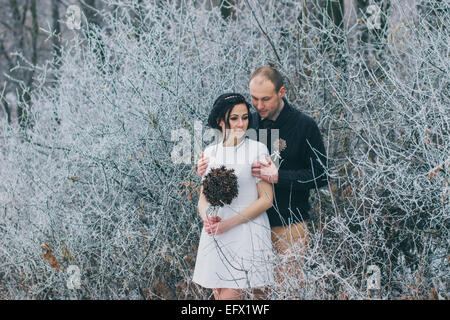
column 265, row 171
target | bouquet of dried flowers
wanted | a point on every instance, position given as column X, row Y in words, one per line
column 220, row 187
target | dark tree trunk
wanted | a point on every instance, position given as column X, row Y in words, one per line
column 24, row 91
column 335, row 10
column 7, row 110
column 372, row 41
column 226, row 9
column 138, row 16
column 57, row 32
column 332, row 12
column 4, row 89
column 93, row 37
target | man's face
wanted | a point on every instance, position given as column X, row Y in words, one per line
column 266, row 100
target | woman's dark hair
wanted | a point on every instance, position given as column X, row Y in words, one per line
column 222, row 105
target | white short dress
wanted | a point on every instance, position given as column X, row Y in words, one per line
column 241, row 257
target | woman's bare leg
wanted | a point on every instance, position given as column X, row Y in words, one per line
column 227, row 294
column 216, row 292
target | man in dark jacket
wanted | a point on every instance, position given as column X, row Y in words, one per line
column 300, row 147
column 302, row 160
column 302, row 166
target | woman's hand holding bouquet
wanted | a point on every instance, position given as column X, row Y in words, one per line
column 220, row 187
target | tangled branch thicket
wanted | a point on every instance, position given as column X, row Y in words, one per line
column 92, row 180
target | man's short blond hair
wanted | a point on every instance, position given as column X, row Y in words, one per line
column 271, row 74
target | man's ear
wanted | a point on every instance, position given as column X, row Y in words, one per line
column 281, row 92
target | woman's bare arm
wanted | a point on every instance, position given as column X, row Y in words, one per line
column 264, row 202
column 202, row 205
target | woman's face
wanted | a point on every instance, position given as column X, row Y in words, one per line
column 238, row 119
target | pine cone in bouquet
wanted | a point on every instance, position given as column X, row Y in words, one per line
column 220, row 186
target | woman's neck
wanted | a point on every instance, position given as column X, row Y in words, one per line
column 232, row 141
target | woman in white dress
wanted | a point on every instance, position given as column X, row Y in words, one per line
column 235, row 247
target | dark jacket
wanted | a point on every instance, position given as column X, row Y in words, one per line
column 301, row 165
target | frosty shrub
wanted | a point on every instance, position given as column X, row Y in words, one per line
column 91, row 181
